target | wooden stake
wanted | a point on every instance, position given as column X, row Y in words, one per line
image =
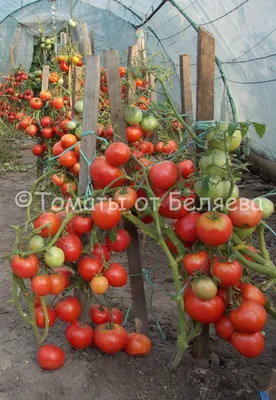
column 132, row 53
column 111, row 62
column 88, row 145
column 86, row 40
column 204, row 112
column 133, row 251
column 186, row 86
column 45, row 77
column 92, row 42
column 76, row 95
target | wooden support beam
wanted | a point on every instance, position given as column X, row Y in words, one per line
column 92, row 42
column 111, row 61
column 186, row 86
column 133, row 251
column 204, row 112
column 45, row 77
column 88, row 146
column 76, row 94
column 86, row 40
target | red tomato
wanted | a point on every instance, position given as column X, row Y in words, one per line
column 41, row 285
column 82, row 225
column 68, row 140
column 251, row 292
column 228, row 273
column 66, row 273
column 71, row 246
column 196, row 262
column 58, row 103
column 126, row 198
column 57, row 282
column 79, row 335
column 31, row 130
column 101, row 251
column 99, row 284
column 204, row 311
column 68, row 159
column 224, row 328
column 177, row 125
column 186, row 168
column 50, row 357
column 214, row 229
column 69, row 309
column 89, row 267
column 57, row 149
column 249, row 345
column 250, row 317
column 137, row 344
column 116, row 275
column 116, row 316
column 159, row 148
column 36, row 103
column 103, row 174
column 25, row 267
column 171, row 246
column 64, row 66
column 40, row 317
column 146, row 147
column 52, row 221
column 185, row 228
column 121, row 242
column 134, row 133
column 66, row 187
column 110, row 340
column 175, row 205
column 37, row 150
column 117, row 153
column 252, row 249
column 163, row 175
column 170, row 147
column 58, row 179
column 106, row 215
column 99, row 315
column 47, row 133
column 245, row 213
column 45, row 122
column 45, row 95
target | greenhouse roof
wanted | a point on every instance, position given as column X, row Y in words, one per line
column 244, row 30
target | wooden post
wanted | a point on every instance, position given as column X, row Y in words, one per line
column 132, row 53
column 186, row 90
column 88, row 144
column 86, row 40
column 45, row 77
column 204, row 112
column 133, row 251
column 186, row 87
column 76, row 95
column 111, row 62
column 92, row 42
column 63, row 39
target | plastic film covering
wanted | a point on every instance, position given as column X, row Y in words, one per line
column 245, row 33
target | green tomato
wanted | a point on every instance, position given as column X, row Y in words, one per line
column 36, row 243
column 38, row 73
column 215, row 189
column 149, row 123
column 72, row 23
column 216, row 139
column 48, row 41
column 244, row 233
column 49, row 46
column 133, row 115
column 235, row 141
column 266, row 206
column 78, row 132
column 72, row 126
column 61, row 81
column 42, row 46
column 204, row 288
column 54, row 257
column 43, row 39
column 79, row 107
column 214, row 164
column 226, row 190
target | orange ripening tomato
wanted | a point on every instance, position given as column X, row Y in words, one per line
column 54, row 78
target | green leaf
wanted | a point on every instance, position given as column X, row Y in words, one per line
column 232, row 127
column 244, row 126
column 259, row 128
column 112, row 235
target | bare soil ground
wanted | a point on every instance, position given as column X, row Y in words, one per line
column 93, row 375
